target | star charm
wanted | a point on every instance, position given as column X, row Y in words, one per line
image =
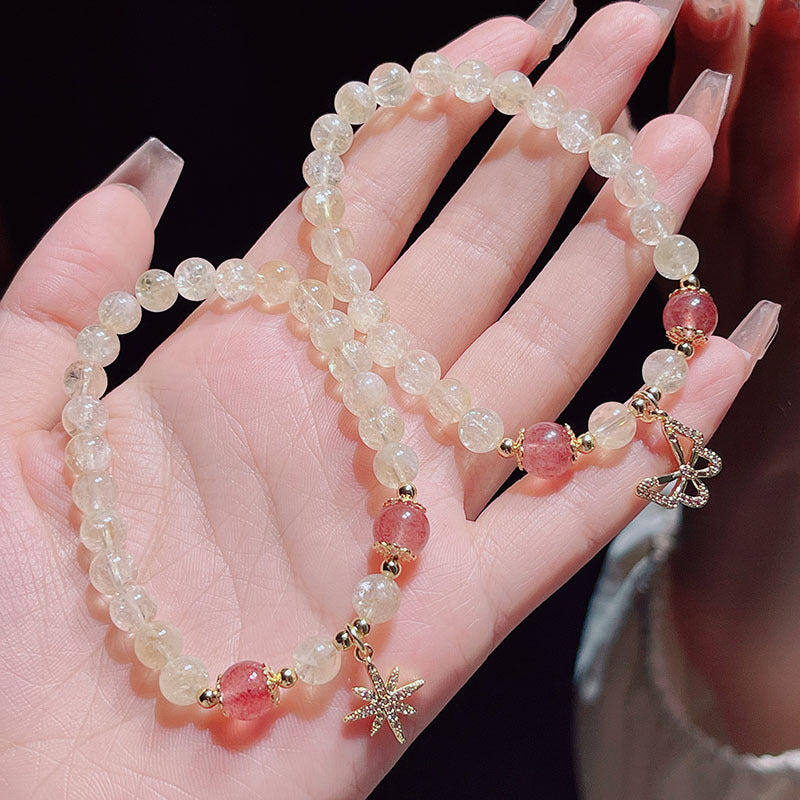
column 385, row 701
column 687, row 471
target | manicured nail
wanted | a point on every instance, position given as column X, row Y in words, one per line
column 754, row 9
column 152, row 171
column 713, row 20
column 707, row 100
column 554, row 18
column 666, row 9
column 755, row 332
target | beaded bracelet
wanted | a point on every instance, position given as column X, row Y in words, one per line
column 249, row 689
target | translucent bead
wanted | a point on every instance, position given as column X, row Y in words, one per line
column 577, row 129
column 368, row 310
column 309, row 299
column 322, row 167
column 693, row 309
column 119, row 312
column 331, row 243
column 381, row 426
column 391, row 84
column 363, row 392
column 395, row 464
column 245, row 690
column 376, row 598
column 97, row 344
column 87, row 452
column 634, row 185
column 388, row 343
column 323, row 204
column 349, row 359
column 666, row 369
column 355, row 103
column 182, row 679
column 330, row 329
column 546, row 106
column 510, row 92
column 156, row 643
column 547, row 451
column 609, row 153
column 331, row 134
column 156, row 290
column 613, row 425
column 431, row 74
column 275, row 282
column 85, row 378
column 347, row 278
column 448, row 401
column 403, row 524
column 84, row 414
column 195, row 279
column 105, row 530
column 111, row 570
column 417, row 372
column 131, row 608
column 472, row 81
column 676, row 256
column 94, row 491
column 480, row 430
column 316, row 660
column 653, row 221
column 235, row 280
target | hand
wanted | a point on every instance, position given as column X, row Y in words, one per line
column 737, row 572
column 248, row 496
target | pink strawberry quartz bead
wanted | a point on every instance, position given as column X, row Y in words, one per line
column 691, row 308
column 245, row 690
column 403, row 524
column 547, row 451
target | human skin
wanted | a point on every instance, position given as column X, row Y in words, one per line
column 248, row 496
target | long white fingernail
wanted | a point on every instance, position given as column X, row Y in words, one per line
column 666, row 9
column 707, row 99
column 754, row 334
column 152, row 170
column 754, row 9
column 554, row 18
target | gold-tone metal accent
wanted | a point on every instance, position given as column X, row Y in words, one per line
column 586, row 443
column 220, row 703
column 644, row 404
column 689, row 282
column 274, row 683
column 506, row 447
column 687, row 471
column 685, row 349
column 394, row 551
column 679, row 334
column 391, row 568
column 362, row 626
column 209, row 698
column 342, row 640
column 385, row 702
column 653, row 393
column 364, row 654
column 407, row 492
column 287, row 677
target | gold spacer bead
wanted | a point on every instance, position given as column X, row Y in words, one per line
column 391, row 568
column 208, row 698
column 638, row 406
column 685, row 348
column 287, row 677
column 362, row 626
column 506, row 447
column 407, row 492
column 343, row 640
column 690, row 282
column 585, row 443
column 653, row 392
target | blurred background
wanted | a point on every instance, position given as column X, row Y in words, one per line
column 233, row 88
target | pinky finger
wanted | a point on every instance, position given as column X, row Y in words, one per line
column 533, row 539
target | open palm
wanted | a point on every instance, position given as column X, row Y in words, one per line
column 248, row 496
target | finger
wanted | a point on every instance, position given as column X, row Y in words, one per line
column 712, row 34
column 489, row 234
column 555, row 334
column 99, row 245
column 399, row 158
column 532, row 540
column 765, row 159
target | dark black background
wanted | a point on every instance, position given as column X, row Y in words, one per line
column 234, row 88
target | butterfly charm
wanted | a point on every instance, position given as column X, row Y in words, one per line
column 687, row 472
